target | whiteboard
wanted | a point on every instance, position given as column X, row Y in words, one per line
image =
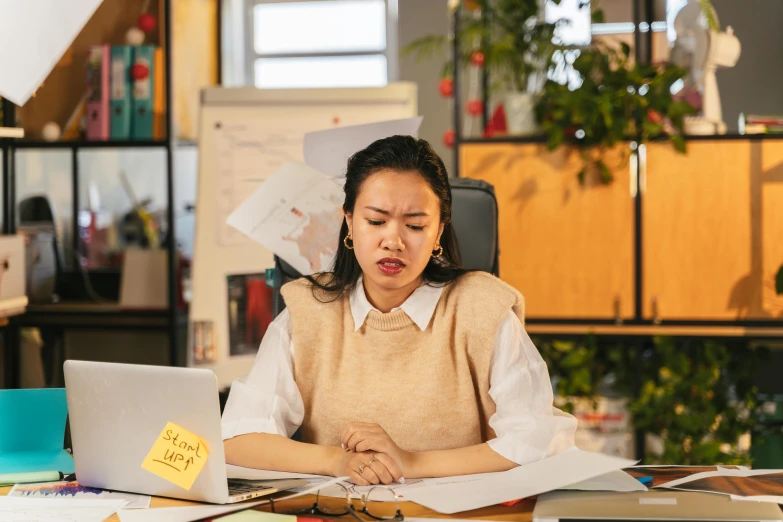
column 245, row 135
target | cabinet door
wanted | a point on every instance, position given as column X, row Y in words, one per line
column 568, row 248
column 713, row 230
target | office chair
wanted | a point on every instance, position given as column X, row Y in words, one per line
column 44, row 269
column 474, row 214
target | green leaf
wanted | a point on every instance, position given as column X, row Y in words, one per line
column 581, row 175
column 598, row 16
column 709, row 15
column 626, row 49
column 556, row 137
column 679, row 142
column 779, row 281
column 425, row 47
column 680, row 108
column 606, row 174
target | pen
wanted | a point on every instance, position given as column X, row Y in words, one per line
column 9, row 479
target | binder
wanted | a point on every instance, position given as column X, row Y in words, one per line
column 120, row 92
column 143, row 94
column 98, row 93
column 32, row 431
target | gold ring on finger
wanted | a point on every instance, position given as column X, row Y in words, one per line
column 361, row 469
column 371, row 461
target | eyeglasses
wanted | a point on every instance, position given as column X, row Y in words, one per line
column 369, row 504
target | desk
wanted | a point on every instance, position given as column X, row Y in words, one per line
column 101, row 332
column 522, row 511
column 80, row 314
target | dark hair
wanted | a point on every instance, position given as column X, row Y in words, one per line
column 402, row 154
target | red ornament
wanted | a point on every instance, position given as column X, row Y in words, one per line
column 446, row 87
column 448, row 138
column 654, row 116
column 477, row 58
column 474, row 107
column 140, row 72
column 497, row 123
column 146, row 22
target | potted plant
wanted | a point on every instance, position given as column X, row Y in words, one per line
column 513, row 41
column 618, row 99
column 697, row 398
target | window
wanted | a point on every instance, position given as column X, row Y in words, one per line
column 321, row 43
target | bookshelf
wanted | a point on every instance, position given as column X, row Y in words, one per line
column 93, row 314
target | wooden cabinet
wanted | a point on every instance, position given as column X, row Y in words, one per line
column 711, row 223
column 567, row 248
column 713, row 230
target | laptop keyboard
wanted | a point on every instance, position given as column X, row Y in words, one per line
column 240, row 488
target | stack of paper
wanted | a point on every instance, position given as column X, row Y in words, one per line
column 456, row 494
column 57, row 510
column 72, row 490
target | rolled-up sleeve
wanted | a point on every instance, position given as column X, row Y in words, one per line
column 267, row 400
column 527, row 425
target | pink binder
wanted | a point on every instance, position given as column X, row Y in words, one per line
column 97, row 113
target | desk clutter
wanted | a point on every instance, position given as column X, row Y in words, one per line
column 572, row 484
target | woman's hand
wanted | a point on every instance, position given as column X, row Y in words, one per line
column 360, row 437
column 366, row 468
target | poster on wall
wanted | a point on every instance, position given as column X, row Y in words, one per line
column 249, row 312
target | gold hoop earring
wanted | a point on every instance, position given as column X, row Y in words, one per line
column 345, row 242
column 438, row 252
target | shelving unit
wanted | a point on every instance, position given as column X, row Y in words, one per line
column 630, row 261
column 11, row 132
column 86, row 314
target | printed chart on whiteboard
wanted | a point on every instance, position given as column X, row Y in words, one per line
column 247, row 154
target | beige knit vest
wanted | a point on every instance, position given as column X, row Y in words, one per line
column 428, row 389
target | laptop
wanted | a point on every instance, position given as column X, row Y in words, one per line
column 117, row 412
column 657, row 505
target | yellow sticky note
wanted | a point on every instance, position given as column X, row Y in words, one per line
column 177, row 456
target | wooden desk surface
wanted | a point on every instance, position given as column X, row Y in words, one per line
column 522, row 511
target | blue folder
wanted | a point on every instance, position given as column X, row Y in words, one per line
column 32, row 431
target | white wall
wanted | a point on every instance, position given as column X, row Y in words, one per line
column 419, row 18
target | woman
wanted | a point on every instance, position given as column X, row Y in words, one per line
column 398, row 364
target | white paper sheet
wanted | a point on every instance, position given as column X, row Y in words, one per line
column 57, row 509
column 328, row 151
column 296, row 213
column 183, row 514
column 191, row 513
column 719, row 472
column 457, row 494
column 34, row 34
column 617, row 480
column 238, row 472
column 682, row 484
column 66, row 490
column 773, row 499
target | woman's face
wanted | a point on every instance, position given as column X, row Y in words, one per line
column 395, row 227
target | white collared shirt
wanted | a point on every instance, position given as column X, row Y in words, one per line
column 527, row 426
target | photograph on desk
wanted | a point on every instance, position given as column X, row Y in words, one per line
column 249, row 312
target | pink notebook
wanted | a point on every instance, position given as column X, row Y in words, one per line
column 97, row 113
